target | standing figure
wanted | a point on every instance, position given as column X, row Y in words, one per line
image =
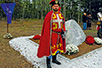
column 52, row 38
column 84, row 21
column 89, row 17
column 99, row 15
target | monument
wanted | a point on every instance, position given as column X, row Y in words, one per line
column 74, row 34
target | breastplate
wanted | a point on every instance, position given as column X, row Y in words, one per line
column 100, row 16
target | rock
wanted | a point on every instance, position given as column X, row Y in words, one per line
column 74, row 34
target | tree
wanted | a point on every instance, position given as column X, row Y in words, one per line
column 71, row 9
column 92, row 7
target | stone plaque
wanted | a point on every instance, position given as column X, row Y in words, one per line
column 74, row 34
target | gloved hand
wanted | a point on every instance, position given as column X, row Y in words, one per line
column 63, row 34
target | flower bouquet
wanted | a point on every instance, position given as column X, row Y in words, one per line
column 98, row 40
column 71, row 49
column 37, row 37
column 7, row 36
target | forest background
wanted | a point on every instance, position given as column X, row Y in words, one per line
column 37, row 9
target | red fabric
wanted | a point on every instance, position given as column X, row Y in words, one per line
column 58, row 29
column 45, row 40
column 56, row 47
column 56, row 39
column 36, row 37
column 98, row 27
column 59, row 9
column 89, row 40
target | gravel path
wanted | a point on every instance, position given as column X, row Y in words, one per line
column 28, row 49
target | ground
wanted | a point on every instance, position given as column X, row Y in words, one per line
column 9, row 58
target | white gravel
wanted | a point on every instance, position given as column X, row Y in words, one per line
column 28, row 49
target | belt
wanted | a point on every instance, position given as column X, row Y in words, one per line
column 56, row 32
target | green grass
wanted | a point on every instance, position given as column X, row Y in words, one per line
column 91, row 31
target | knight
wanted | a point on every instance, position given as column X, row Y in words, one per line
column 52, row 39
column 99, row 15
column 99, row 23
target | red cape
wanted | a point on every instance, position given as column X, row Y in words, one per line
column 44, row 45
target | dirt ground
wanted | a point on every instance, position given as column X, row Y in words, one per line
column 9, row 58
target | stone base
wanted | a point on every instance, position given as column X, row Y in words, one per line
column 28, row 49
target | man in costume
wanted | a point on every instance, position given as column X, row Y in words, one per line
column 52, row 38
column 99, row 15
column 99, row 23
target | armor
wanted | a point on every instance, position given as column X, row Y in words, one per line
column 99, row 14
column 99, row 23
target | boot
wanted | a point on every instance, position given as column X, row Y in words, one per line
column 55, row 61
column 48, row 63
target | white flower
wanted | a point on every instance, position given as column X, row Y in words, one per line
column 98, row 40
column 8, row 36
column 72, row 49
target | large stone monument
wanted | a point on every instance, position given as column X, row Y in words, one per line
column 75, row 34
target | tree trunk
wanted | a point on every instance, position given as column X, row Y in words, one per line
column 78, row 17
column 23, row 9
column 42, row 11
column 64, row 9
column 37, row 14
column 60, row 3
column 90, row 6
